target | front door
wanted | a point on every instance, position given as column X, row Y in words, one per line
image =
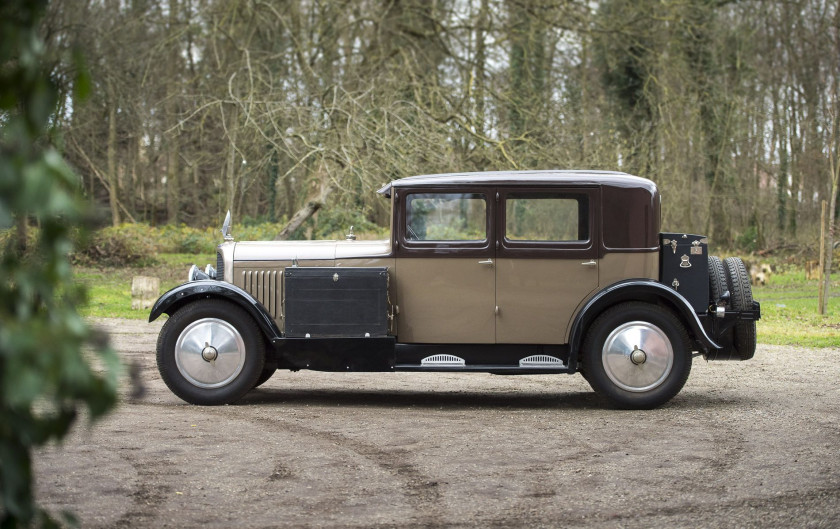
column 445, row 272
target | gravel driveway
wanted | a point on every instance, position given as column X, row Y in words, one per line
column 746, row 444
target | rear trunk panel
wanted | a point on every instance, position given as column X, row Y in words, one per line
column 684, row 266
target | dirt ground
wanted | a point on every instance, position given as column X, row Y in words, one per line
column 746, row 444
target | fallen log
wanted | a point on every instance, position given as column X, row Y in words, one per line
column 301, row 215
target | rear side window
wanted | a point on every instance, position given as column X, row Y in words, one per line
column 446, row 217
column 546, row 217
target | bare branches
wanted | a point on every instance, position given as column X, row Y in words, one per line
column 724, row 103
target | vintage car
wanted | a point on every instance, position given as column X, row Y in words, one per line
column 510, row 273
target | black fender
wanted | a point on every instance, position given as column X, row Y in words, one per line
column 211, row 288
column 636, row 290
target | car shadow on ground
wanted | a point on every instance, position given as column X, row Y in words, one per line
column 389, row 398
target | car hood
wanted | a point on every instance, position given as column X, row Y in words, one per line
column 309, row 250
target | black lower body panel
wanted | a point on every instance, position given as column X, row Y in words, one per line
column 336, row 354
column 384, row 354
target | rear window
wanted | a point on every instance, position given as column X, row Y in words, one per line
column 546, row 217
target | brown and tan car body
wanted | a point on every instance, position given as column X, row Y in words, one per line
column 491, row 300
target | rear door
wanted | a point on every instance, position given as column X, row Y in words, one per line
column 547, row 261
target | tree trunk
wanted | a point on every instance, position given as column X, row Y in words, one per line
column 795, row 158
column 829, row 246
column 173, row 177
column 113, row 185
column 230, row 171
column 480, row 64
column 825, row 248
column 828, row 239
column 173, row 184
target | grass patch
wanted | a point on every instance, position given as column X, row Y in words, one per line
column 109, row 288
column 789, row 311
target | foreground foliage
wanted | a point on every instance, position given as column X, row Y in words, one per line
column 45, row 379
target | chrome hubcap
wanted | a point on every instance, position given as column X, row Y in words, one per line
column 210, row 353
column 637, row 356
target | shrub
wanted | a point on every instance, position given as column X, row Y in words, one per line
column 127, row 244
column 139, row 244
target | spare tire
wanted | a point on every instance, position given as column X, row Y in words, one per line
column 718, row 286
column 717, row 279
column 741, row 298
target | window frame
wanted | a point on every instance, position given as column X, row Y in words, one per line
column 587, row 249
column 467, row 248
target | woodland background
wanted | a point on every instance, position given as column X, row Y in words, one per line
column 264, row 107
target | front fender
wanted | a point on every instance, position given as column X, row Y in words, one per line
column 636, row 290
column 179, row 296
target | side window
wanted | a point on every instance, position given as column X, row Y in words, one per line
column 546, row 217
column 441, row 217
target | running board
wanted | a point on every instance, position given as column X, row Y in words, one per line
column 542, row 361
column 442, row 360
column 485, row 368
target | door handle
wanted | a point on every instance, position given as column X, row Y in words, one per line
column 487, row 262
column 591, row 262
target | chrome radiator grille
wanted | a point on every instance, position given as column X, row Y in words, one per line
column 266, row 287
column 220, row 267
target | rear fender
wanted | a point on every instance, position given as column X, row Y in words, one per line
column 181, row 295
column 636, row 290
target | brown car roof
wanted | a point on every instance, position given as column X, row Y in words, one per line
column 545, row 178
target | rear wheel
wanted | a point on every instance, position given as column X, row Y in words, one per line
column 210, row 352
column 637, row 355
column 740, row 291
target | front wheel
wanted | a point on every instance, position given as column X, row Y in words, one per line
column 637, row 355
column 267, row 372
column 210, row 352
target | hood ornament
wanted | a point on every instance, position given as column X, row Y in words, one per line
column 226, row 228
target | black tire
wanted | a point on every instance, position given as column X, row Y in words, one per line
column 214, row 373
column 718, row 286
column 267, row 373
column 633, row 380
column 740, row 291
column 717, row 279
